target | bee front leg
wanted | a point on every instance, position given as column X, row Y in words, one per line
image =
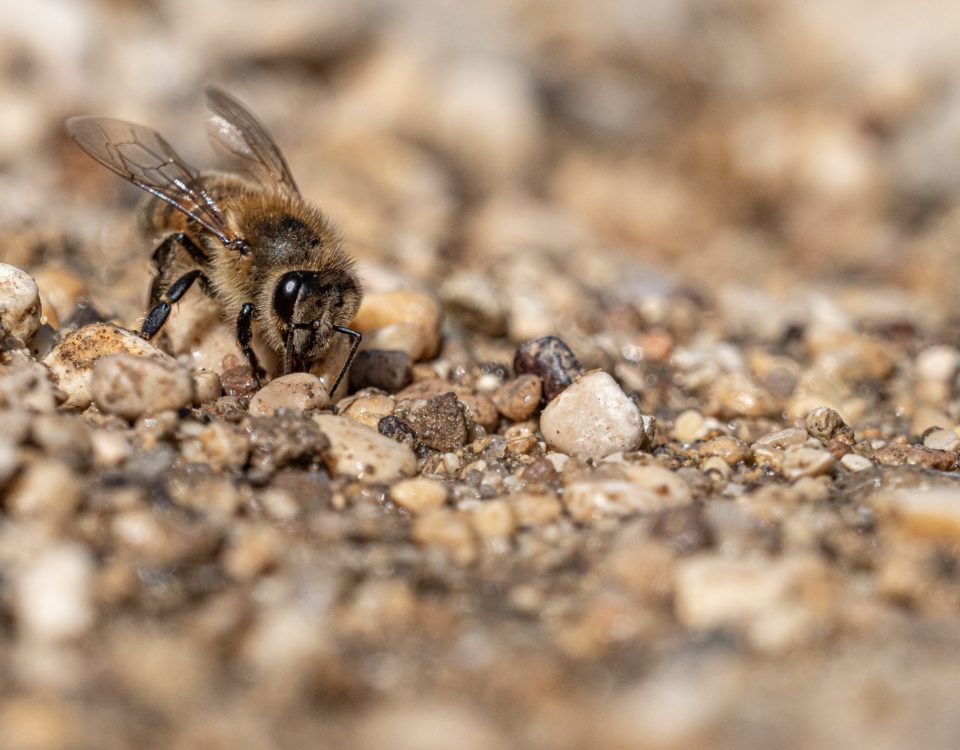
column 164, row 254
column 356, row 336
column 244, row 336
column 161, row 310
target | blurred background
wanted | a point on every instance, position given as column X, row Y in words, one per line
column 729, row 143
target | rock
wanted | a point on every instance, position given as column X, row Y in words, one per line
column 206, row 387
column 493, row 519
column 251, row 551
column 727, row 448
column 396, row 429
column 531, row 509
column 446, row 530
column 690, row 426
column 238, row 381
column 897, row 454
column 929, row 512
column 19, row 304
column 541, row 470
column 132, row 386
column 801, row 461
column 298, row 391
column 825, row 424
column 782, row 439
column 651, row 489
column 52, row 594
column 279, row 441
column 362, row 453
column 440, row 423
column 25, row 384
column 684, row 528
column 519, row 398
column 408, row 338
column 474, row 300
column 48, row 489
column 383, row 309
column 219, row 445
column 480, row 408
column 368, row 407
column 387, row 370
column 942, row 440
column 419, row 495
column 736, row 395
column 593, row 418
column 938, row 363
column 551, row 360
column 854, row 462
column 72, row 360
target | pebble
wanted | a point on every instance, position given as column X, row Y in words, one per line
column 519, row 398
column 282, row 440
column 938, row 363
column 368, row 408
column 801, row 461
column 357, row 451
column 298, row 391
column 251, row 551
column 493, row 519
column 531, row 509
column 782, row 439
column 20, row 308
column 480, row 408
column 551, row 360
column 475, row 301
column 931, row 512
column 593, row 418
column 736, row 395
column 409, row 338
column 447, row 530
column 419, row 495
column 652, row 489
column 855, row 462
column 219, row 445
column 726, row 448
column 826, row 424
column 405, row 306
column 47, row 489
column 52, row 594
column 389, row 370
column 73, row 359
column 130, row 386
column 943, row 440
column 206, row 387
column 897, row 454
column 689, row 426
column 396, row 429
column 440, row 422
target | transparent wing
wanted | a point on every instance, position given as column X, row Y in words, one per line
column 245, row 144
column 143, row 157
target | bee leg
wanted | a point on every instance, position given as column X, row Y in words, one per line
column 356, row 336
column 244, row 335
column 161, row 310
column 163, row 257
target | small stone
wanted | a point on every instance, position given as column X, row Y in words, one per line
column 801, row 461
column 368, row 408
column 474, row 299
column 541, row 470
column 897, row 454
column 298, row 391
column 396, row 429
column 593, row 418
column 19, row 304
column 386, row 369
column 943, row 440
column 285, row 440
column 362, row 453
column 855, row 462
column 736, row 395
column 493, row 519
column 149, row 539
column 48, row 489
column 206, row 387
column 408, row 338
column 383, row 309
column 684, row 528
column 419, row 495
column 689, row 427
column 782, row 439
column 52, row 594
column 219, row 445
column 480, row 408
column 238, row 381
column 519, row 398
column 439, row 422
column 651, row 489
column 26, row 384
column 73, row 359
column 132, row 386
column 109, row 449
column 825, row 424
column 929, row 512
column 938, row 364
column 726, row 448
column 446, row 530
column 551, row 360
column 533, row 510
column 251, row 551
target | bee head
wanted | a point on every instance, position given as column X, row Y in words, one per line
column 308, row 304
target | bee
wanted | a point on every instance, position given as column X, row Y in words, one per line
column 246, row 236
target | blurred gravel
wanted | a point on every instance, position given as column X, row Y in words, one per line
column 653, row 438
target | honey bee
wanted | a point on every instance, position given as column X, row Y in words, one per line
column 247, row 236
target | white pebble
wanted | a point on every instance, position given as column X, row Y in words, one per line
column 131, row 386
column 856, row 462
column 801, row 461
column 419, row 495
column 657, row 488
column 53, row 594
column 403, row 307
column 592, row 418
column 298, row 391
column 19, row 303
column 938, row 363
column 360, row 452
column 943, row 440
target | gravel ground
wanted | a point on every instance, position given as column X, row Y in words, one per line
column 653, row 438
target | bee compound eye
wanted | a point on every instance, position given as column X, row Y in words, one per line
column 286, row 294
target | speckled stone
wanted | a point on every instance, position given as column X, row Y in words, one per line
column 19, row 304
column 131, row 386
column 298, row 391
column 358, row 451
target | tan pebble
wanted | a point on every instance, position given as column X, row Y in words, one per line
column 938, row 363
column 409, row 338
column 52, row 598
column 826, row 424
column 896, row 454
column 689, row 426
column 517, row 399
column 715, row 465
column 924, row 512
column 943, row 440
column 206, row 387
column 493, row 519
column 419, row 495
column 736, row 395
column 63, row 288
column 73, row 359
column 363, row 453
column 109, row 448
column 152, row 540
column 446, row 529
column 727, row 448
column 252, row 551
column 535, row 510
column 800, row 461
column 593, row 418
column 368, row 408
column 854, row 462
column 132, row 386
column 214, row 496
column 783, row 439
column 522, row 445
column 48, row 489
column 650, row 489
column 404, row 306
column 219, row 445
column 298, row 391
column 19, row 303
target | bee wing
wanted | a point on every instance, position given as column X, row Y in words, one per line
column 143, row 157
column 246, row 145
